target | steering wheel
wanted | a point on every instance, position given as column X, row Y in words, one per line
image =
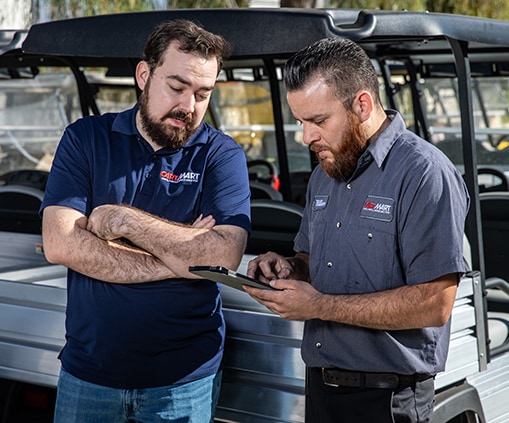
column 263, row 171
column 502, row 186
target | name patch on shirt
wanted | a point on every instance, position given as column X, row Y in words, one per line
column 320, row 202
column 378, row 208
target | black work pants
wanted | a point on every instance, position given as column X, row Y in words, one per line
column 327, row 404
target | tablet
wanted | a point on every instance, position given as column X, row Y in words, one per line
column 228, row 277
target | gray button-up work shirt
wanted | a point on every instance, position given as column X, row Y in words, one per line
column 398, row 221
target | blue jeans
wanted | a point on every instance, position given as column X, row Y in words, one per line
column 83, row 402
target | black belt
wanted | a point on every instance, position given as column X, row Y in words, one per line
column 337, row 378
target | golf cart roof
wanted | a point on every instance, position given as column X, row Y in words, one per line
column 276, row 32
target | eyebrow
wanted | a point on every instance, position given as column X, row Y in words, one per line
column 313, row 118
column 187, row 83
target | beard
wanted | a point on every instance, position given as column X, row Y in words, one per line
column 163, row 134
column 345, row 156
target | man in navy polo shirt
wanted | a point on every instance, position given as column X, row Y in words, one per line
column 132, row 200
column 379, row 250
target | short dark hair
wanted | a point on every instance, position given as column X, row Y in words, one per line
column 343, row 64
column 191, row 38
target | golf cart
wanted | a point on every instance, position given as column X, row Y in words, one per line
column 446, row 74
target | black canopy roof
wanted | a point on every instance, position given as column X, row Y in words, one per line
column 275, row 32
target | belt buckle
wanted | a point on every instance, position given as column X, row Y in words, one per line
column 325, row 378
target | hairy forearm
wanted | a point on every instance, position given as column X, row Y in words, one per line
column 66, row 241
column 111, row 261
column 408, row 307
column 176, row 245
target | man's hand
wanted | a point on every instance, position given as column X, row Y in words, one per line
column 207, row 222
column 296, row 300
column 106, row 221
column 269, row 266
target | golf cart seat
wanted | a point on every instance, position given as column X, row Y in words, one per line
column 19, row 209
column 274, row 226
column 262, row 191
column 495, row 230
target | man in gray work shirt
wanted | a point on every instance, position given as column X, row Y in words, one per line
column 379, row 250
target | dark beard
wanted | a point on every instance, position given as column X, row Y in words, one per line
column 161, row 134
column 347, row 154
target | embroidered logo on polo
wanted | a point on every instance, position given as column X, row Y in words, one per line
column 183, row 177
column 378, row 208
column 320, row 202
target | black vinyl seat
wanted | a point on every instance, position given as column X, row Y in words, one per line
column 27, row 177
column 262, row 191
column 274, row 226
column 19, row 209
column 495, row 230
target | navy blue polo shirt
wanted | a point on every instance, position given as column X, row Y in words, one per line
column 398, row 221
column 158, row 333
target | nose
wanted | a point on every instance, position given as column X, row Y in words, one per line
column 309, row 134
column 187, row 103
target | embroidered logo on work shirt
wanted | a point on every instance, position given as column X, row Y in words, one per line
column 183, row 177
column 320, row 202
column 378, row 208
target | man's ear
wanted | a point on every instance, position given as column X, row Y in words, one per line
column 142, row 74
column 363, row 105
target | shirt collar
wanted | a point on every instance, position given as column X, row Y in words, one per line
column 125, row 123
column 379, row 148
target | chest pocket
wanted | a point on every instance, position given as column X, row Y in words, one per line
column 354, row 258
column 372, row 255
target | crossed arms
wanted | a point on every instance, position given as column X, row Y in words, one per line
column 160, row 249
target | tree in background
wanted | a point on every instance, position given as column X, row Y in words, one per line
column 61, row 9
